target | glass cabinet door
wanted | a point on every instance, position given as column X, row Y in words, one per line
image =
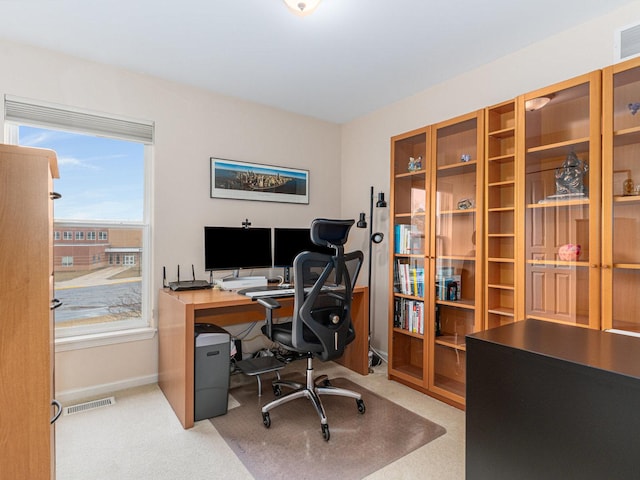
column 562, row 202
column 410, row 231
column 457, row 206
column 621, row 196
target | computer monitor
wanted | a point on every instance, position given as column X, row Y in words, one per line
column 233, row 248
column 288, row 243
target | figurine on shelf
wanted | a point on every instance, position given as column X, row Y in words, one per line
column 628, row 187
column 570, row 176
column 417, row 164
column 464, row 204
column 634, row 107
column 465, row 157
column 412, row 164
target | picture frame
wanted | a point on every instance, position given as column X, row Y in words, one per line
column 254, row 181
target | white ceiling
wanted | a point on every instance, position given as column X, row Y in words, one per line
column 347, row 59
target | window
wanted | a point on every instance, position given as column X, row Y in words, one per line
column 104, row 182
column 56, row 235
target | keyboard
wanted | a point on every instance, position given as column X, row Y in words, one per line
column 257, row 292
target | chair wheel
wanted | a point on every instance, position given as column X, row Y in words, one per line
column 325, row 432
column 277, row 391
column 361, row 407
column 266, row 420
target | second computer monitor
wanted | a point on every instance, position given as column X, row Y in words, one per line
column 288, row 243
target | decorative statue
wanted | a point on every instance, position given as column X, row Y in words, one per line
column 570, row 176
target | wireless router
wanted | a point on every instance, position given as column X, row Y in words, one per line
column 192, row 284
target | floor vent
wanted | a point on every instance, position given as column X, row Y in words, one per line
column 83, row 407
column 627, row 42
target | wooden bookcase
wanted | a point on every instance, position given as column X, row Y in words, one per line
column 621, row 219
column 503, row 227
column 523, row 205
column 457, row 203
column 561, row 152
column 409, row 258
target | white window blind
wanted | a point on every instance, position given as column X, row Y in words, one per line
column 38, row 114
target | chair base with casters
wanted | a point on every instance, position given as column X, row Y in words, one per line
column 312, row 390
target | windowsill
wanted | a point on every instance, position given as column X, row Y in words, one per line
column 102, row 339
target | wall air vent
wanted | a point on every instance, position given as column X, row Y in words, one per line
column 83, row 407
column 627, row 42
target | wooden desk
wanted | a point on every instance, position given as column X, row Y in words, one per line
column 179, row 311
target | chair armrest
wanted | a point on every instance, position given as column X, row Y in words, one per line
column 270, row 304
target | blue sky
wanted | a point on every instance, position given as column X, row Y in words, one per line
column 100, row 178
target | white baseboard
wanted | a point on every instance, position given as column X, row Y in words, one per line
column 72, row 396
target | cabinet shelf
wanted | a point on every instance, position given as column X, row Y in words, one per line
column 463, row 211
column 627, row 266
column 561, row 203
column 408, row 214
column 410, row 174
column 451, row 341
column 560, row 149
column 501, row 286
column 408, row 333
column 409, row 255
column 500, row 260
column 626, row 199
column 501, row 209
column 466, row 304
column 509, row 157
column 626, row 136
column 503, row 311
column 466, row 258
column 502, row 183
column 580, row 320
column 457, row 168
column 557, row 263
column 503, row 133
column 408, row 297
column 500, row 235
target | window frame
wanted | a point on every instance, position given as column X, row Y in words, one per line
column 112, row 332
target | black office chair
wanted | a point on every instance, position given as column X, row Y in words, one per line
column 321, row 324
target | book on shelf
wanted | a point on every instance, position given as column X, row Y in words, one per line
column 408, row 279
column 449, row 287
column 408, row 239
column 409, row 315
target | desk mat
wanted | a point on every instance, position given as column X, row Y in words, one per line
column 293, row 446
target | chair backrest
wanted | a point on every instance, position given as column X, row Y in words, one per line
column 324, row 291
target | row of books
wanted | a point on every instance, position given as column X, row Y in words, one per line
column 409, row 279
column 409, row 315
column 408, row 239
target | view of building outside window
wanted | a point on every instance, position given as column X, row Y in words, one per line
column 98, row 229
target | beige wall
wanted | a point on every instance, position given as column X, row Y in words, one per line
column 365, row 141
column 192, row 125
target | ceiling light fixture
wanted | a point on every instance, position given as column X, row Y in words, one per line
column 302, row 7
column 536, row 103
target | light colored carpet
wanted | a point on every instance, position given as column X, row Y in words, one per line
column 294, row 447
column 140, row 438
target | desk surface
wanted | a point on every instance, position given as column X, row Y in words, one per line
column 179, row 311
